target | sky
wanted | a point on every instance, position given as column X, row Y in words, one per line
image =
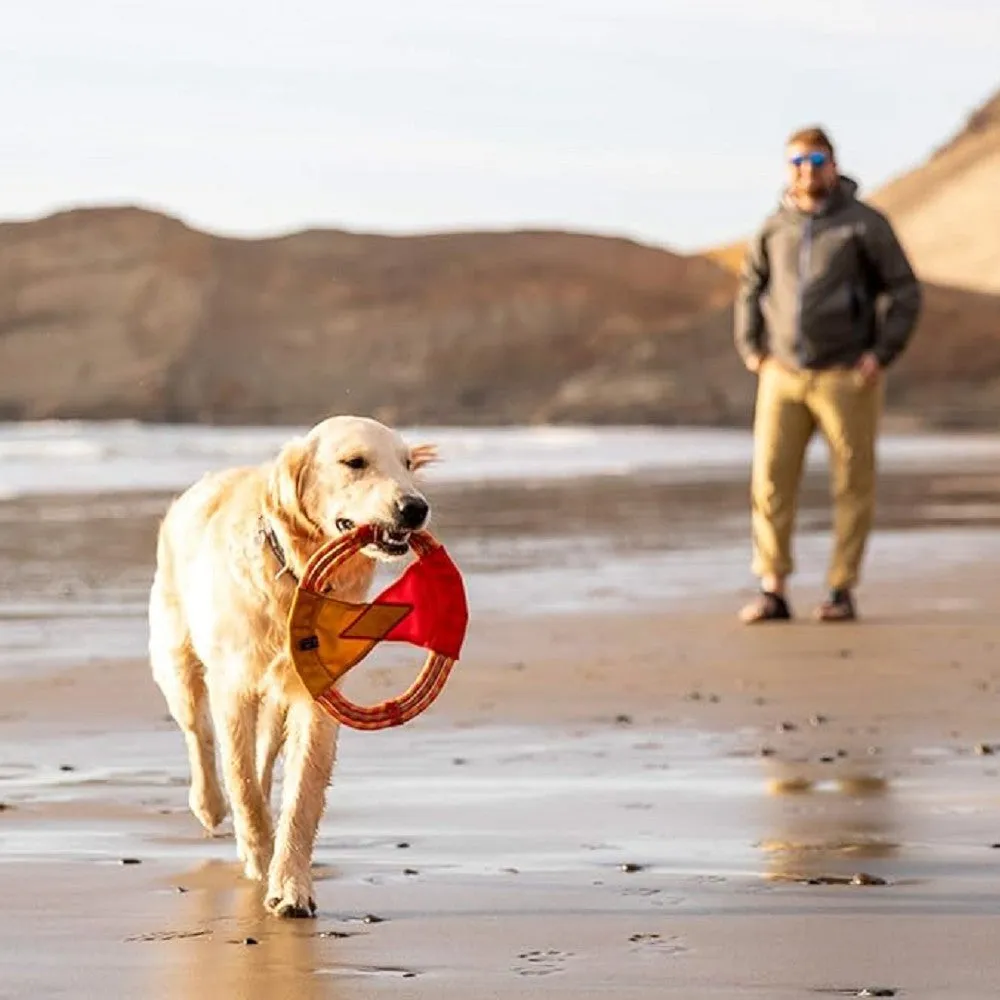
column 658, row 120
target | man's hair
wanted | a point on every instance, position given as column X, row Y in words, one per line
column 812, row 136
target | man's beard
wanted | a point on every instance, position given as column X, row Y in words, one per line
column 817, row 189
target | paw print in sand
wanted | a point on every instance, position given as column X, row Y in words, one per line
column 657, row 943
column 541, row 963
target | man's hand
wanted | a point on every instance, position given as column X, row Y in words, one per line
column 868, row 367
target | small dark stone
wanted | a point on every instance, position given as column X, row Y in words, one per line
column 841, row 753
column 863, row 878
column 4, row 806
column 250, row 940
column 875, row 991
column 827, row 758
column 410, row 871
column 630, row 866
column 403, row 845
column 131, row 861
column 714, row 699
column 786, row 727
column 995, row 847
column 818, row 720
column 693, row 696
column 339, row 935
column 845, row 654
column 66, row 767
column 409, row 975
column 985, row 749
column 459, row 761
column 765, row 751
column 623, row 720
column 370, row 918
column 180, row 889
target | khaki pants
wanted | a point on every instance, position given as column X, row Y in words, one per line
column 791, row 405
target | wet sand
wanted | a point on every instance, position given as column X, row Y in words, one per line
column 611, row 800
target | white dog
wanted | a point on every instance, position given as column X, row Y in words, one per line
column 229, row 553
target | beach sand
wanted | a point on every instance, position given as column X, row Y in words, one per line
column 637, row 802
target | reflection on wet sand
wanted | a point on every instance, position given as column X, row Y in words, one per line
column 241, row 952
column 831, row 821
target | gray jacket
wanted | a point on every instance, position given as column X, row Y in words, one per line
column 819, row 290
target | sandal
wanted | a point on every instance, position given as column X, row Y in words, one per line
column 766, row 607
column 838, row 607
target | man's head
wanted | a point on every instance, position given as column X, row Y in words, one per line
column 812, row 165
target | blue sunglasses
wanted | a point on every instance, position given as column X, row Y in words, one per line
column 816, row 159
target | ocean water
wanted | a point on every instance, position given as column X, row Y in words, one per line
column 54, row 457
column 540, row 520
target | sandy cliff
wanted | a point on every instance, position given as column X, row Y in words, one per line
column 120, row 312
column 947, row 211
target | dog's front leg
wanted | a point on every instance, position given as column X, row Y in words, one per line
column 270, row 738
column 236, row 729
column 310, row 748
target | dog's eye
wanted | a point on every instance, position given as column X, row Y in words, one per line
column 355, row 463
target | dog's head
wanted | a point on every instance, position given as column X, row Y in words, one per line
column 348, row 471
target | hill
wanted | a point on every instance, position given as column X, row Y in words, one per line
column 121, row 312
column 127, row 313
column 947, row 210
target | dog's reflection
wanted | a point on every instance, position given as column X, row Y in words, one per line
column 227, row 912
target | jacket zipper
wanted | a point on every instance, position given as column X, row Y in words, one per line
column 805, row 254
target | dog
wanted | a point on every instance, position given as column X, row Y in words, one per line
column 229, row 552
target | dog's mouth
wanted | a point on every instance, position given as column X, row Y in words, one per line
column 388, row 541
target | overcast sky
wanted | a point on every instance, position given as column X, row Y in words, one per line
column 657, row 119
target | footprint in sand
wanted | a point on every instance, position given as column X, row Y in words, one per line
column 542, row 963
column 658, row 944
column 168, row 935
column 655, row 895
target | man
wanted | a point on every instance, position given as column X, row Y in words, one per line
column 827, row 302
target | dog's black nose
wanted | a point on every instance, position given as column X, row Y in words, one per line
column 413, row 512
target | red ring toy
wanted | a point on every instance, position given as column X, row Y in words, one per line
column 327, row 637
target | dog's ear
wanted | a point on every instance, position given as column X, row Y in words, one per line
column 422, row 455
column 289, row 485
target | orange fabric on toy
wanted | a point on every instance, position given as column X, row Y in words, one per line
column 425, row 607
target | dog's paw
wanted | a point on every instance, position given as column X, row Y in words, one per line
column 209, row 805
column 256, row 861
column 291, row 898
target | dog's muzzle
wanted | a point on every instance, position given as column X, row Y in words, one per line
column 394, row 539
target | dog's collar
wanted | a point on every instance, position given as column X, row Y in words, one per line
column 270, row 538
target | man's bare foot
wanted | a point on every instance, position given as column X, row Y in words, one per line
column 766, row 607
column 838, row 607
